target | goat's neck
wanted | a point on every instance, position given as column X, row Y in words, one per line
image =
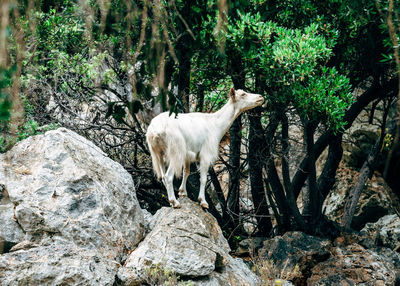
column 225, row 117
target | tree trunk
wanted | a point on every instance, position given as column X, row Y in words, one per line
column 234, row 173
column 273, row 180
column 294, row 210
column 200, row 98
column 365, row 173
column 255, row 159
column 185, row 56
column 184, row 53
column 311, row 196
column 235, row 133
column 327, row 178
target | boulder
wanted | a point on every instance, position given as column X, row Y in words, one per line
column 10, row 232
column 385, row 232
column 319, row 262
column 70, row 210
column 294, row 254
column 355, row 265
column 250, row 246
column 236, row 273
column 56, row 262
column 189, row 243
column 376, row 200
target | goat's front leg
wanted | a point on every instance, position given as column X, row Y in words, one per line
column 186, row 172
column 203, row 180
column 169, row 185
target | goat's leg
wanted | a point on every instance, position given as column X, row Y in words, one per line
column 203, row 180
column 168, row 179
column 186, row 172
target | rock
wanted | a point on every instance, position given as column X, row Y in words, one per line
column 376, row 200
column 321, row 263
column 250, row 246
column 385, row 232
column 74, row 209
column 294, row 252
column 147, row 220
column 236, row 273
column 10, row 232
column 189, row 243
column 354, row 265
column 60, row 262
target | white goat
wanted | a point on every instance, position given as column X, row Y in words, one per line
column 176, row 141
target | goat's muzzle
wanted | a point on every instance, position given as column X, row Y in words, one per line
column 260, row 101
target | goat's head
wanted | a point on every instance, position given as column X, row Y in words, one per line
column 244, row 100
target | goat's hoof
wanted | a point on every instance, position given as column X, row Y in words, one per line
column 175, row 204
column 203, row 204
column 182, row 193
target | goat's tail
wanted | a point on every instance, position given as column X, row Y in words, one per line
column 166, row 148
column 176, row 152
column 156, row 151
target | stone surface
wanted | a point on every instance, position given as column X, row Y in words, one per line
column 295, row 249
column 355, row 265
column 147, row 220
column 58, row 262
column 250, row 246
column 385, row 232
column 236, row 273
column 322, row 263
column 188, row 242
column 376, row 200
column 10, row 232
column 68, row 203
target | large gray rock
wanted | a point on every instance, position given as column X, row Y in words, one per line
column 10, row 232
column 385, row 232
column 322, row 263
column 376, row 200
column 57, row 262
column 294, row 254
column 72, row 204
column 188, row 242
column 236, row 273
column 355, row 265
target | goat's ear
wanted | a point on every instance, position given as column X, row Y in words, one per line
column 232, row 94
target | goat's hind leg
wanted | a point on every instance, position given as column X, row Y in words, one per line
column 186, row 173
column 168, row 179
column 203, row 180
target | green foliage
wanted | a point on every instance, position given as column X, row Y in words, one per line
column 60, row 31
column 5, row 101
column 293, row 63
column 29, row 128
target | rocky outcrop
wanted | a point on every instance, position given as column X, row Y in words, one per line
column 376, row 200
column 67, row 211
column 294, row 254
column 189, row 243
column 385, row 232
column 320, row 262
column 250, row 246
column 10, row 232
column 355, row 265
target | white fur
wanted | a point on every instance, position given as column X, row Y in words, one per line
column 176, row 141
